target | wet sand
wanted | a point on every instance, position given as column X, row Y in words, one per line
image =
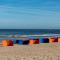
column 50, row 51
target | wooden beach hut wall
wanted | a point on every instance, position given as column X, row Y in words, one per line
column 41, row 40
column 7, row 42
column 31, row 42
column 44, row 40
column 36, row 41
column 59, row 39
column 53, row 40
column 25, row 42
column 56, row 39
column 17, row 41
column 10, row 43
column 20, row 42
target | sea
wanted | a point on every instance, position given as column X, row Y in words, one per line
column 28, row 31
column 20, row 32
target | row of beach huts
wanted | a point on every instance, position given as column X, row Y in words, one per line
column 30, row 41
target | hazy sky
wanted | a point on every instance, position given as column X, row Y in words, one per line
column 36, row 14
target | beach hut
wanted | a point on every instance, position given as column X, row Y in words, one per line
column 31, row 42
column 5, row 42
column 20, row 42
column 10, row 43
column 25, row 42
column 17, row 41
column 56, row 39
column 53, row 40
column 44, row 40
column 36, row 41
column 41, row 40
column 59, row 39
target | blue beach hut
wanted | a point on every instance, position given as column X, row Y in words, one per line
column 44, row 40
column 26, row 42
column 41, row 40
column 20, row 42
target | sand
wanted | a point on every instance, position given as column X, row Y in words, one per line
column 50, row 51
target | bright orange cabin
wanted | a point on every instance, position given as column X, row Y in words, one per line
column 59, row 39
column 5, row 42
column 31, row 42
column 53, row 39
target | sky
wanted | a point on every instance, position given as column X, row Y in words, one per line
column 29, row 14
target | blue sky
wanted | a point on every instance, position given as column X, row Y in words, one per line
column 28, row 14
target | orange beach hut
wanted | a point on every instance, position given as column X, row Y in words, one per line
column 53, row 40
column 36, row 41
column 31, row 42
column 7, row 43
column 59, row 39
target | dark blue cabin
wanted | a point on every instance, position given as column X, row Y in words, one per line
column 20, row 42
column 25, row 42
column 44, row 40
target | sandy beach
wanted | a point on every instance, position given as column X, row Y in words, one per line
column 50, row 51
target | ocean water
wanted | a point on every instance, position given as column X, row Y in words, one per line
column 28, row 31
column 19, row 32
